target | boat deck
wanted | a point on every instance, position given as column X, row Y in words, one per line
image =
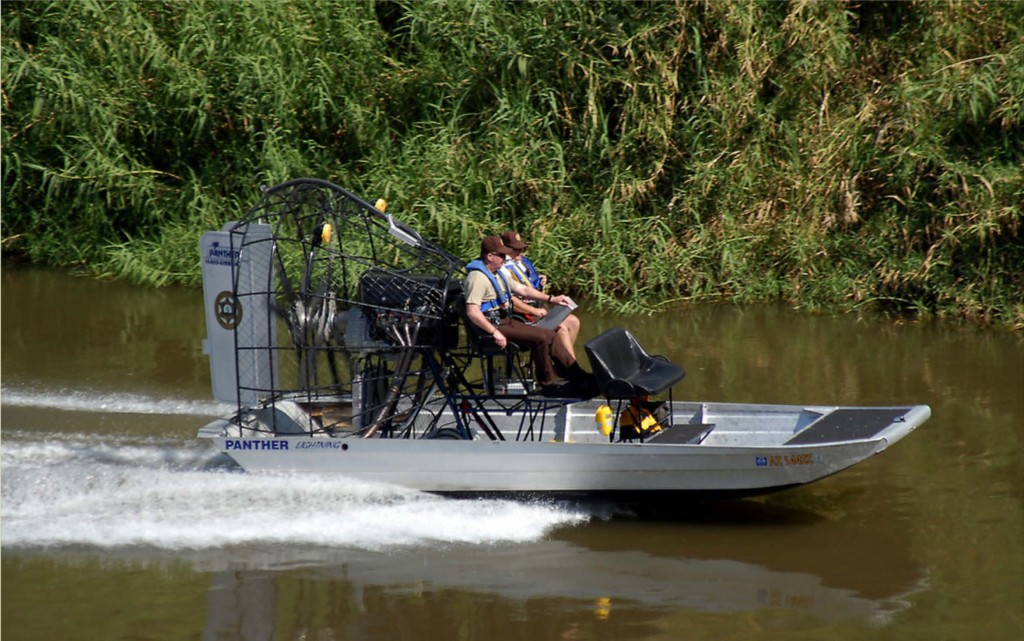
column 849, row 424
column 707, row 424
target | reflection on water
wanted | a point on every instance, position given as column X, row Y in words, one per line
column 112, row 507
column 578, row 577
column 139, row 504
column 120, row 494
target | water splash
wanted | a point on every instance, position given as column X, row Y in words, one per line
column 120, row 403
column 115, row 492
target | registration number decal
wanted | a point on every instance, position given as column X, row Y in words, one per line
column 785, row 460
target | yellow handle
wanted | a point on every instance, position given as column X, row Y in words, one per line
column 603, row 416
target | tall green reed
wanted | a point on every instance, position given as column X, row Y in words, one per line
column 832, row 155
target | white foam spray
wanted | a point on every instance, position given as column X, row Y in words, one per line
column 63, row 490
column 119, row 403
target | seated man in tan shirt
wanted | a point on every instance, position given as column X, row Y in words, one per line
column 488, row 301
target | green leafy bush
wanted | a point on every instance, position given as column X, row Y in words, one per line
column 831, row 155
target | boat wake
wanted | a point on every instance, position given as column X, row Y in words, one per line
column 116, row 492
column 120, row 403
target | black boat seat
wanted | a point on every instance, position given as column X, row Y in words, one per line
column 623, row 368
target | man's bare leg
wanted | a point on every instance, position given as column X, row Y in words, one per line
column 567, row 332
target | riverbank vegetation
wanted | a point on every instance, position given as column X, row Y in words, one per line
column 833, row 155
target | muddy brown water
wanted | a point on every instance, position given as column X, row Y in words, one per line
column 116, row 523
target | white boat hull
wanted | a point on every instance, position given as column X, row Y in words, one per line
column 568, row 466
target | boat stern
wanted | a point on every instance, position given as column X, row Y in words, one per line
column 219, row 428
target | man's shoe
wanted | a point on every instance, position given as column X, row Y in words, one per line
column 556, row 389
column 581, row 388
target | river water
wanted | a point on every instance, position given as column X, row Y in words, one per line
column 117, row 523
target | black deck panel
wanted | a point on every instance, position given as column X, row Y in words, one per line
column 685, row 433
column 848, row 425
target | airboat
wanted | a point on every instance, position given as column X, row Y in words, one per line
column 338, row 335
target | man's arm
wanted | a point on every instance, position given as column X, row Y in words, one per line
column 522, row 307
column 477, row 318
column 528, row 292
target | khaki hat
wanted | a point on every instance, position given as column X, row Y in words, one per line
column 514, row 240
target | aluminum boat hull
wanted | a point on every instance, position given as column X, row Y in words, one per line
column 754, row 454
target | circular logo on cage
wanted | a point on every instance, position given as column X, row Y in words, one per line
column 227, row 310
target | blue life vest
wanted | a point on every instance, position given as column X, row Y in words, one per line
column 531, row 273
column 517, row 272
column 503, row 294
